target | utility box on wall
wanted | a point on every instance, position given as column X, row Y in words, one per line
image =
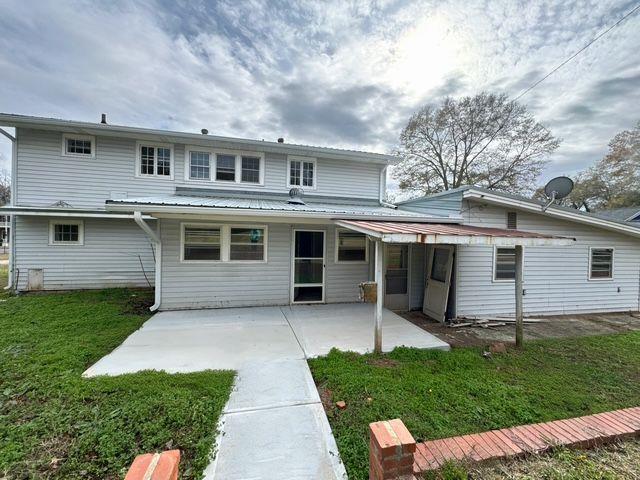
column 35, row 279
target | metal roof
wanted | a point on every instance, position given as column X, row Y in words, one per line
column 624, row 214
column 227, row 205
column 405, row 232
column 90, row 128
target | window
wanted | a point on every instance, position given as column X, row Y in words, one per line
column 78, row 145
column 302, row 173
column 224, row 243
column 512, row 220
column 250, row 169
column 202, row 243
column 504, row 263
column 601, row 264
column 440, row 264
column 351, row 246
column 66, row 233
column 226, row 168
column 246, row 244
column 199, row 166
column 155, row 160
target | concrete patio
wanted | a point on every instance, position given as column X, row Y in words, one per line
column 273, row 425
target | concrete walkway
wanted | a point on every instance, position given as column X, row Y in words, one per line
column 274, row 425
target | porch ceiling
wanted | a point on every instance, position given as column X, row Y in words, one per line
column 405, row 232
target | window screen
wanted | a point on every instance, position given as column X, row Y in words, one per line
column 439, row 264
column 352, row 246
column 226, row 168
column 246, row 244
column 202, row 243
column 601, row 263
column 505, row 264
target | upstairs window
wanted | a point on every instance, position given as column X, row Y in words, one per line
column 78, row 145
column 351, row 246
column 600, row 263
column 302, row 173
column 66, row 232
column 250, row 169
column 504, row 264
column 226, row 168
column 155, row 160
column 199, row 166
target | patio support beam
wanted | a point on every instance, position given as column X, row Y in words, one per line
column 377, row 336
column 519, row 295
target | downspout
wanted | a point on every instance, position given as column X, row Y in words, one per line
column 12, row 224
column 155, row 239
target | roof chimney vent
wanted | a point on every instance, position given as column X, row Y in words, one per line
column 280, row 140
column 204, row 131
column 103, row 120
column 295, row 196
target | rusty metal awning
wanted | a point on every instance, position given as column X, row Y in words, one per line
column 405, row 232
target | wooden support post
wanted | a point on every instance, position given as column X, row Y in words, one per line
column 519, row 321
column 377, row 336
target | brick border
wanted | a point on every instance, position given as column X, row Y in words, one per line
column 584, row 431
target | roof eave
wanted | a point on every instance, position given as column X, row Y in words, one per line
column 167, row 136
column 532, row 206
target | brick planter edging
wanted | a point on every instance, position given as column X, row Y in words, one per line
column 584, row 431
column 394, row 454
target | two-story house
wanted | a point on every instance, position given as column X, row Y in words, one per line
column 212, row 221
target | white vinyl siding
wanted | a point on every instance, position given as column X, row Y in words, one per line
column 45, row 177
column 556, row 278
column 245, row 283
column 116, row 253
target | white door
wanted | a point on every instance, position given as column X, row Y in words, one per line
column 307, row 266
column 396, row 277
column 438, row 281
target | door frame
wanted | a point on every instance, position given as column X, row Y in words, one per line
column 427, row 274
column 384, row 275
column 292, row 283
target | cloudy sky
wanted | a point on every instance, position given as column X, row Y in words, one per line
column 346, row 74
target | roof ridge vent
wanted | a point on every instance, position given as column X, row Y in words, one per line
column 295, row 196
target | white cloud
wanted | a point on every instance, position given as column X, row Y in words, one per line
column 324, row 73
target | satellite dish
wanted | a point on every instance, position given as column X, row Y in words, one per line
column 556, row 189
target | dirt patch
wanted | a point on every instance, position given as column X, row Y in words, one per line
column 326, row 397
column 383, row 362
column 554, row 326
column 137, row 305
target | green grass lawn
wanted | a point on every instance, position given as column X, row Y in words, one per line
column 440, row 394
column 56, row 424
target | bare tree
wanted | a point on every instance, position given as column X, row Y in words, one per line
column 614, row 181
column 5, row 187
column 483, row 140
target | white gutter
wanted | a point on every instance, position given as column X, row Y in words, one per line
column 44, row 212
column 153, row 236
column 156, row 210
column 12, row 232
column 552, row 212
